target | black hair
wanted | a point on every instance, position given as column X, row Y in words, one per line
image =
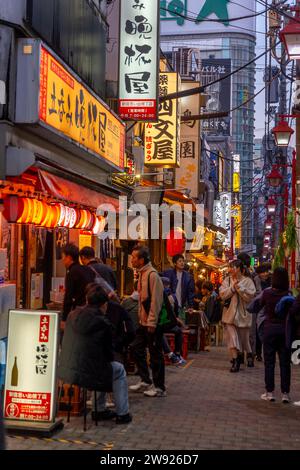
column 263, row 268
column 88, row 252
column 71, row 250
column 176, row 258
column 245, row 258
column 237, row 263
column 208, row 285
column 280, row 279
column 95, row 295
column 143, row 252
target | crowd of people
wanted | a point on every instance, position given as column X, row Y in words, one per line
column 256, row 308
column 260, row 318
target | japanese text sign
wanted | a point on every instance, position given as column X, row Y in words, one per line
column 30, row 383
column 187, row 175
column 67, row 106
column 139, row 59
column 237, row 216
column 162, row 137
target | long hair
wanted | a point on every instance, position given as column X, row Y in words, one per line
column 237, row 263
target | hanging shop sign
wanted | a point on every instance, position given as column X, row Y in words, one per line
column 236, row 173
column 162, row 138
column 50, row 94
column 187, row 175
column 30, row 382
column 236, row 212
column 139, row 59
column 224, row 211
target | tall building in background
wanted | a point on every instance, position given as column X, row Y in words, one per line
column 206, row 50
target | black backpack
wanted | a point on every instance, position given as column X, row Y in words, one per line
column 167, row 318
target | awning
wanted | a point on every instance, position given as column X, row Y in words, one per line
column 210, row 261
column 216, row 229
column 66, row 190
column 177, row 197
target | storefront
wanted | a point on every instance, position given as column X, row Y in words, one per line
column 59, row 156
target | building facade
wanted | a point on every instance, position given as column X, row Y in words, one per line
column 193, row 45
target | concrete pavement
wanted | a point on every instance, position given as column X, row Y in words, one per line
column 206, row 408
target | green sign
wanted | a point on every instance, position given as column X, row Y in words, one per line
column 177, row 10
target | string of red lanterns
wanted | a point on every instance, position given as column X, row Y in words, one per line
column 26, row 210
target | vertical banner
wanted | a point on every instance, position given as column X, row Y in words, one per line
column 187, row 175
column 162, row 138
column 225, row 199
column 139, row 59
column 237, row 216
column 236, row 173
column 30, row 382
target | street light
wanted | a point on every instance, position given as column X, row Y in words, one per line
column 290, row 37
column 267, row 236
column 275, row 178
column 269, row 223
column 271, row 205
column 282, row 134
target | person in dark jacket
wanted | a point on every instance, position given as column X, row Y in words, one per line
column 86, row 357
column 123, row 329
column 182, row 285
column 131, row 305
column 77, row 278
column 274, row 340
column 88, row 258
column 293, row 328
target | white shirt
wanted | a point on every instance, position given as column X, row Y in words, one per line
column 178, row 288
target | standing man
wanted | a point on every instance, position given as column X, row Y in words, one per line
column 150, row 290
column 77, row 278
column 87, row 257
column 182, row 284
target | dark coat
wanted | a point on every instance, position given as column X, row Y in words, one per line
column 132, row 308
column 293, row 323
column 86, row 354
column 187, row 286
column 77, row 278
column 106, row 272
column 123, row 332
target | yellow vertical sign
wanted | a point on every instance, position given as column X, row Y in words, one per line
column 162, row 137
column 237, row 215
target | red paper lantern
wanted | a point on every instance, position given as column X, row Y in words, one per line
column 175, row 242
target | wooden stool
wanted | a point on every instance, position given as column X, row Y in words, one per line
column 71, row 393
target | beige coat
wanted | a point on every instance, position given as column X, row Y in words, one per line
column 156, row 293
column 237, row 313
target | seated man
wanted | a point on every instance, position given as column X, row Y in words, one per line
column 86, row 358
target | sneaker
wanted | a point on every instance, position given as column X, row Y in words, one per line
column 174, row 358
column 124, row 419
column 259, row 358
column 104, row 415
column 155, row 392
column 140, row 387
column 285, row 398
column 297, row 403
column 182, row 361
column 268, row 396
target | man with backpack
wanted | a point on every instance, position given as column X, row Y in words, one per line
column 148, row 334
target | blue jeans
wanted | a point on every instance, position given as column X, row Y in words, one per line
column 120, row 391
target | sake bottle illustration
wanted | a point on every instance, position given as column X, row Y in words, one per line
column 14, row 374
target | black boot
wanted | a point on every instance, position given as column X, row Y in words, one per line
column 235, row 365
column 250, row 360
column 241, row 358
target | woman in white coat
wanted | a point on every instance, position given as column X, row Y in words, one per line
column 237, row 291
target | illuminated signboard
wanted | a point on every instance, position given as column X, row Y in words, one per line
column 50, row 94
column 30, row 382
column 162, row 137
column 139, row 59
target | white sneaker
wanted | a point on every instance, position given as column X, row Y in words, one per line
column 285, row 398
column 140, row 387
column 297, row 403
column 155, row 392
column 268, row 396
